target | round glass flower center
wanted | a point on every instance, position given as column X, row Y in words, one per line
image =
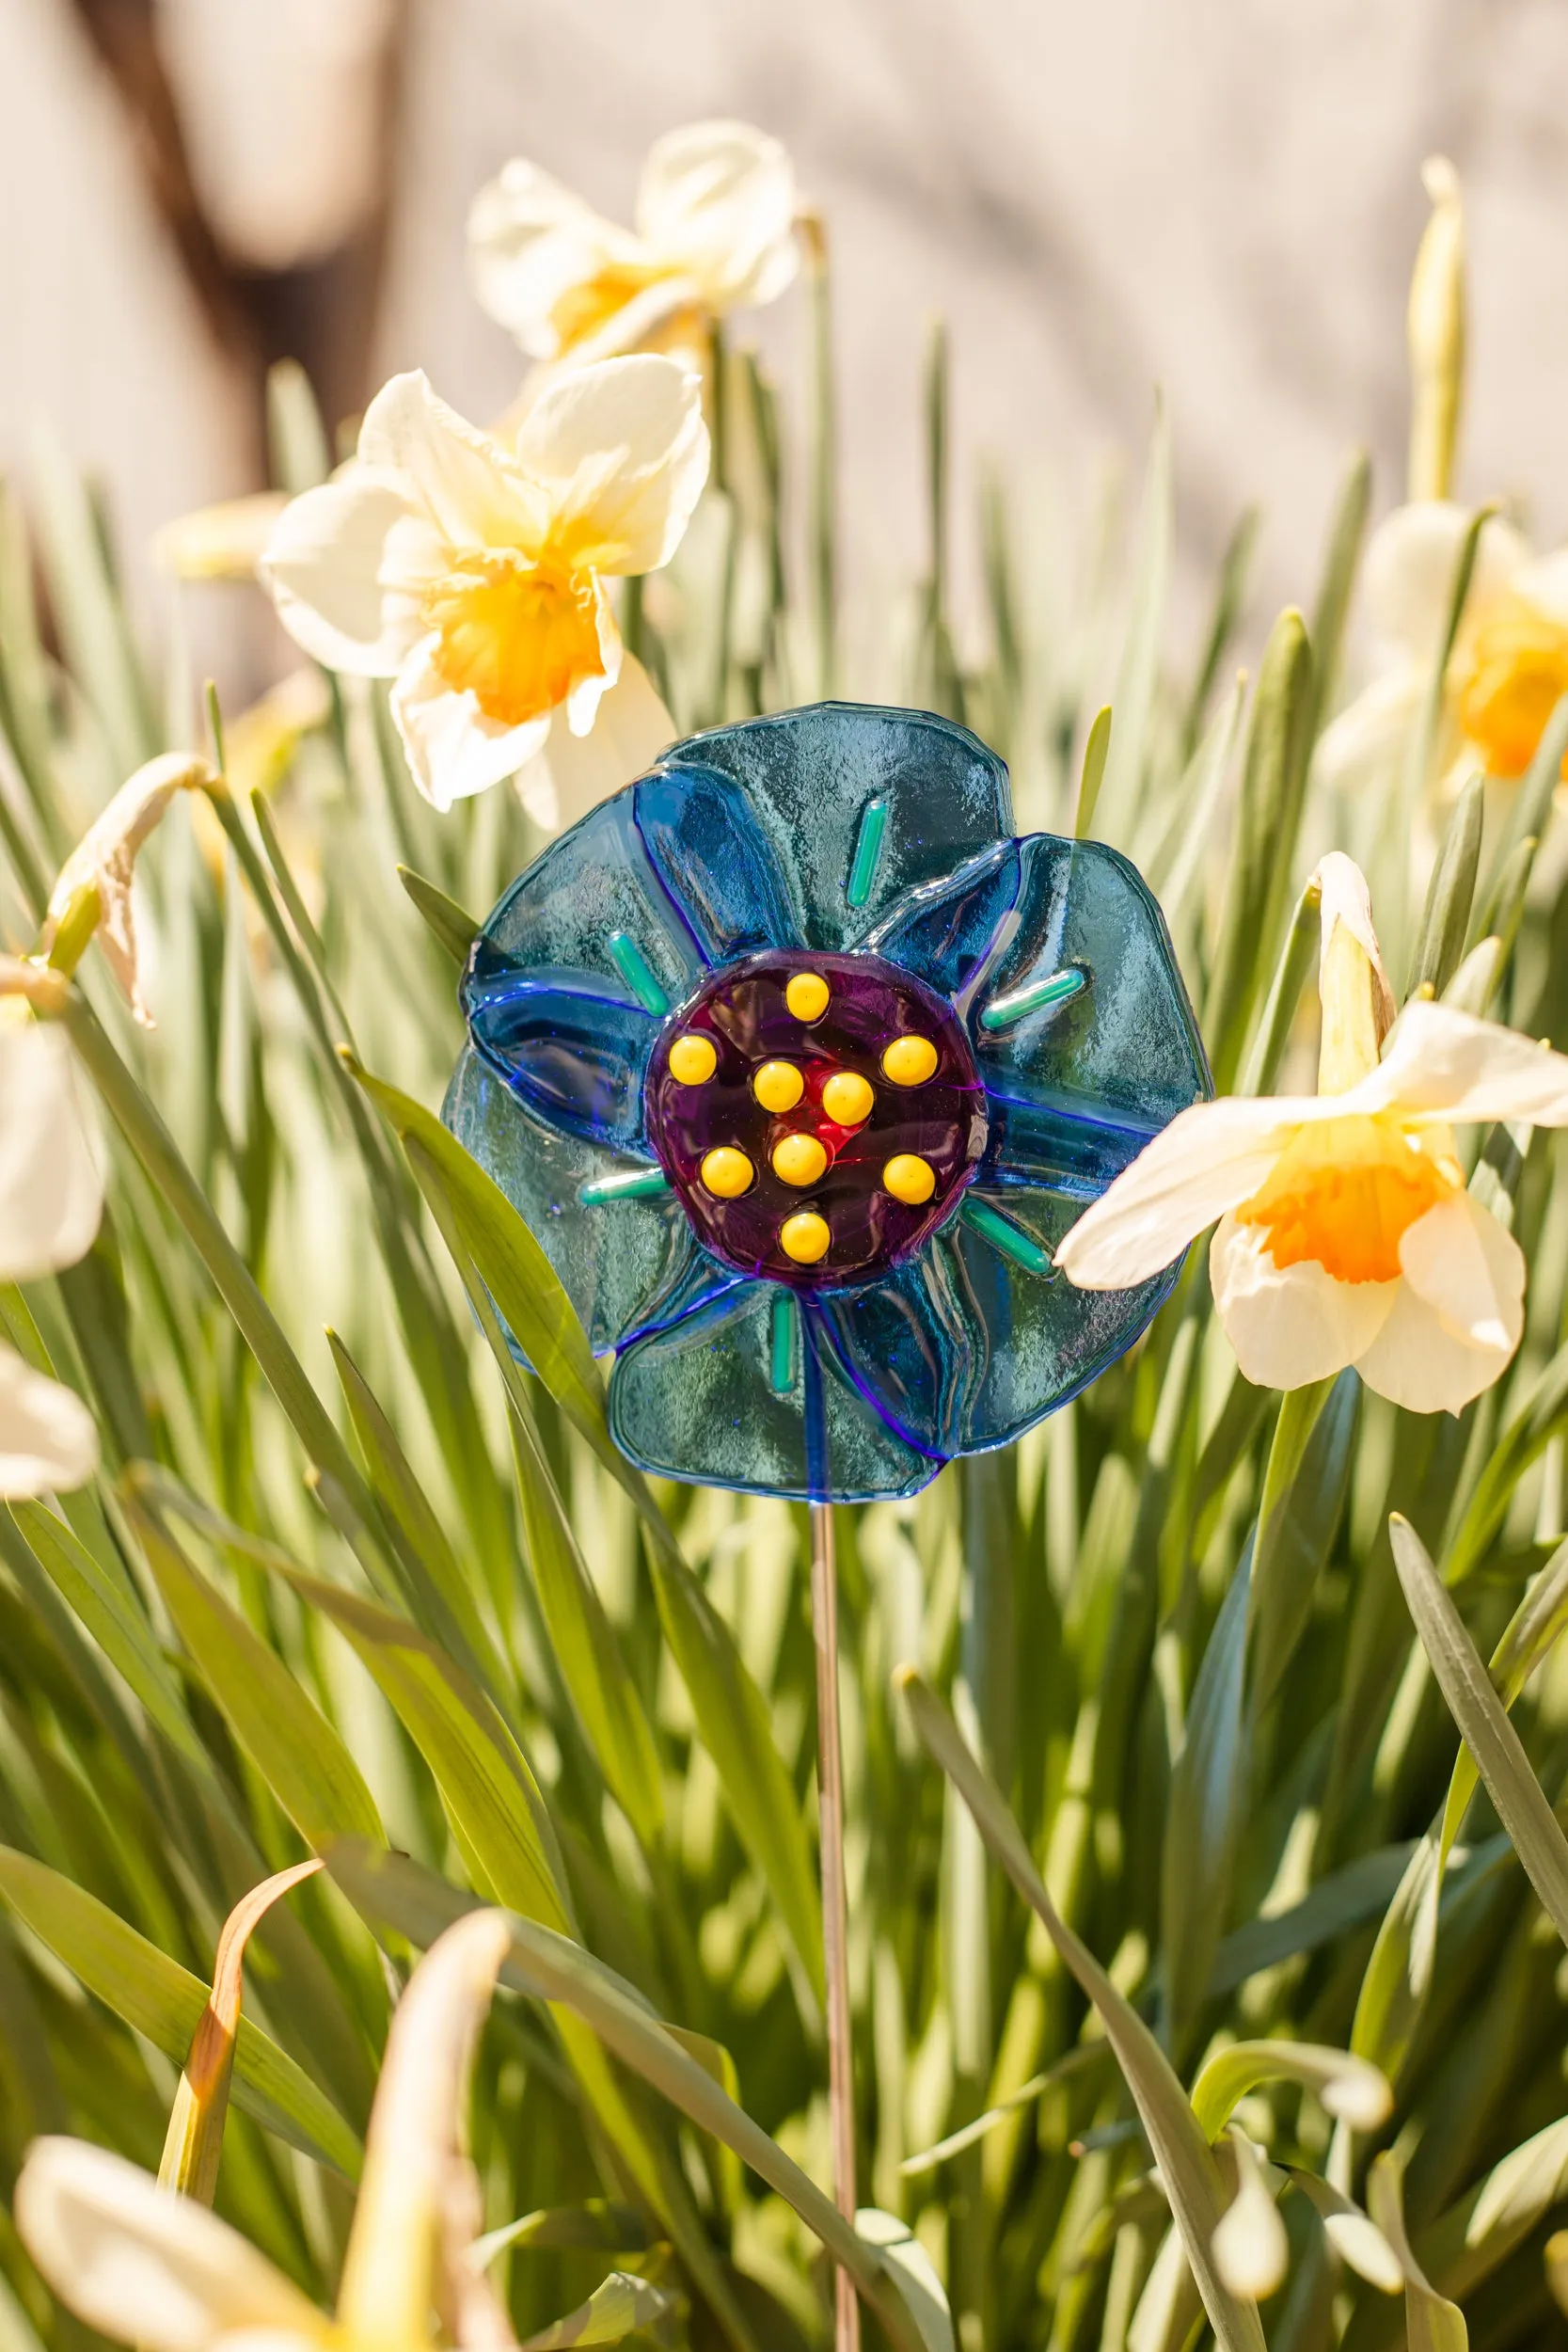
column 834, row 1180
column 517, row 635
column 1344, row 1193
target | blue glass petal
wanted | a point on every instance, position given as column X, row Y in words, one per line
column 942, row 931
column 861, row 804
column 1080, row 1085
column 962, row 1348
column 575, row 1053
column 696, row 1401
column 612, row 1259
column 708, row 849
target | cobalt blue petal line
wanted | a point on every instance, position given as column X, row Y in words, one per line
column 1124, row 1049
column 945, row 931
column 709, row 850
column 962, row 1348
column 609, row 1264
column 574, row 1051
column 697, row 1401
column 907, row 795
column 801, row 1067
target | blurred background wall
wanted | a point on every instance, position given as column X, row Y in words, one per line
column 1219, row 197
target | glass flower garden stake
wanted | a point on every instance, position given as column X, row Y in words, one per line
column 801, row 1066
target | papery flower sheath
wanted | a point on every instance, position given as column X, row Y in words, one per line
column 714, row 229
column 799, row 1066
column 473, row 574
column 1346, row 1233
column 51, row 1199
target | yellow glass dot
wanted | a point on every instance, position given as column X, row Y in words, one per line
column 778, row 1086
column 692, row 1060
column 848, row 1098
column 908, row 1061
column 804, row 1237
column 798, row 1160
column 910, row 1178
column 727, row 1172
column 807, row 995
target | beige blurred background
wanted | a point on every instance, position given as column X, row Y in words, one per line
column 1219, row 197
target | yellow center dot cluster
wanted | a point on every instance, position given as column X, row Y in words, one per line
column 801, row 1159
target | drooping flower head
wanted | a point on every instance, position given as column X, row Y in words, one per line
column 799, row 1066
column 1346, row 1233
column 715, row 230
column 473, row 574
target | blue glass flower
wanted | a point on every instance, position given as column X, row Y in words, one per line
column 799, row 1066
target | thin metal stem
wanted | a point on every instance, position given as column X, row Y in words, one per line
column 829, row 1785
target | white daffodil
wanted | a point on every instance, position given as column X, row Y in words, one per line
column 1346, row 1235
column 1508, row 667
column 146, row 2267
column 51, row 1199
column 714, row 229
column 1508, row 661
column 472, row 573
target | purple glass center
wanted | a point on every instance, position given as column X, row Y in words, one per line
column 742, row 1012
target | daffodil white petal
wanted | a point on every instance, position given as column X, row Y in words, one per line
column 51, row 1153
column 1407, row 578
column 721, row 198
column 48, row 1439
column 1359, row 748
column 454, row 750
column 1444, row 1064
column 622, row 450
column 1434, row 1360
column 571, row 773
column 1211, row 1158
column 1290, row 1325
column 1543, row 583
column 324, row 564
column 1461, row 1261
column 144, row 2265
column 466, row 483
column 530, row 242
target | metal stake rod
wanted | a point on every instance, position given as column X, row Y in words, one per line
column 830, row 1786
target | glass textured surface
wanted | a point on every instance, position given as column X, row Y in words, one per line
column 908, row 1212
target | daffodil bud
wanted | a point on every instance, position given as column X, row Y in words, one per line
column 1357, row 1002
column 92, row 890
column 1436, row 329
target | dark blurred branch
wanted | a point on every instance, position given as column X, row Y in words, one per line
column 321, row 312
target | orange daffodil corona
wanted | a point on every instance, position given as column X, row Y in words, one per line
column 1346, row 1233
column 716, row 214
column 472, row 572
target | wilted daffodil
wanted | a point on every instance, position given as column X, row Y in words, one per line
column 51, row 1199
column 1346, row 1233
column 146, row 2267
column 714, row 229
column 472, row 573
column 104, row 864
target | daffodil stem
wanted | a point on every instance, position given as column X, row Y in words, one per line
column 835, row 1956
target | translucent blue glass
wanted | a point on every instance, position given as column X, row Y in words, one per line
column 841, row 1322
